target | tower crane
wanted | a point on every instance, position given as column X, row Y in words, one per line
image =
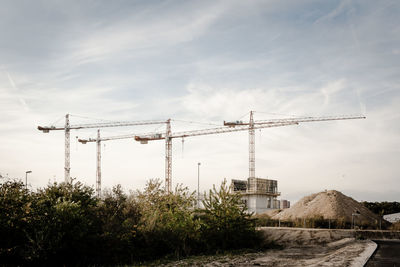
column 253, row 124
column 98, row 141
column 168, row 136
column 68, row 127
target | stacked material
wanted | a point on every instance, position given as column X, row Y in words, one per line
column 330, row 204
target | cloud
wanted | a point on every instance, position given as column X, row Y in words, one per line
column 206, row 61
column 21, row 100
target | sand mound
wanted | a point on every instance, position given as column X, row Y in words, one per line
column 330, row 204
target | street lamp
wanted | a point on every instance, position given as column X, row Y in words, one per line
column 356, row 213
column 198, row 184
column 26, row 179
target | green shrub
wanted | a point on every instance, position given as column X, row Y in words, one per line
column 62, row 226
column 15, row 212
column 167, row 223
column 225, row 222
column 65, row 224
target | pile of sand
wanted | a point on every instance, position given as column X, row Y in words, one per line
column 330, row 204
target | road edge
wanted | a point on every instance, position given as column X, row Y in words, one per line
column 363, row 258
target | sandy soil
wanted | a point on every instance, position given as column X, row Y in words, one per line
column 330, row 204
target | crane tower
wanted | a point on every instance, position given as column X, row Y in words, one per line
column 252, row 125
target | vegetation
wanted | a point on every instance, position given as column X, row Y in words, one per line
column 225, row 223
column 382, row 208
column 66, row 224
column 395, row 226
column 316, row 222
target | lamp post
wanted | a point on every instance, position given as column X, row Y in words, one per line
column 26, row 179
column 356, row 213
column 198, row 184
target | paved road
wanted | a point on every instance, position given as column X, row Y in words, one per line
column 387, row 254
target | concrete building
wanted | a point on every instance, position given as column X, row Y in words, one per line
column 259, row 195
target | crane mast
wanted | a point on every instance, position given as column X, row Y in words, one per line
column 98, row 141
column 252, row 148
column 168, row 157
column 67, row 166
column 98, row 165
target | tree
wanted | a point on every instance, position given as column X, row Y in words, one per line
column 225, row 222
column 15, row 211
column 167, row 221
column 62, row 227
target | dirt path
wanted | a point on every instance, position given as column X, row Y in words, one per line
column 344, row 252
column 302, row 247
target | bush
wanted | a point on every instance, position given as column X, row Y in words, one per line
column 62, row 226
column 225, row 222
column 167, row 223
column 15, row 212
column 65, row 224
column 395, row 226
column 119, row 216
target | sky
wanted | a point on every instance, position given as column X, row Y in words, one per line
column 200, row 63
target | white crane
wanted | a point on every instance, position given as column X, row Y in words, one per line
column 69, row 127
column 98, row 141
column 253, row 124
column 168, row 136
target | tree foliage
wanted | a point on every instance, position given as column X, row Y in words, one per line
column 225, row 222
column 382, row 208
column 65, row 224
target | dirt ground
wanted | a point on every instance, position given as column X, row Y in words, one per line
column 302, row 247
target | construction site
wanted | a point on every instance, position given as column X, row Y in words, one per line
column 258, row 194
column 325, row 227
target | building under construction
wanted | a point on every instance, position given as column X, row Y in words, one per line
column 259, row 195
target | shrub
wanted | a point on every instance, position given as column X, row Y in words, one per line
column 62, row 225
column 167, row 223
column 225, row 222
column 119, row 216
column 65, row 224
column 15, row 210
column 395, row 226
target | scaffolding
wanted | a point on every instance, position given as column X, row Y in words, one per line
column 258, row 194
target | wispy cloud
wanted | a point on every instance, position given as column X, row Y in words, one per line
column 206, row 61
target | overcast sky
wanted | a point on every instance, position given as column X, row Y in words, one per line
column 205, row 61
